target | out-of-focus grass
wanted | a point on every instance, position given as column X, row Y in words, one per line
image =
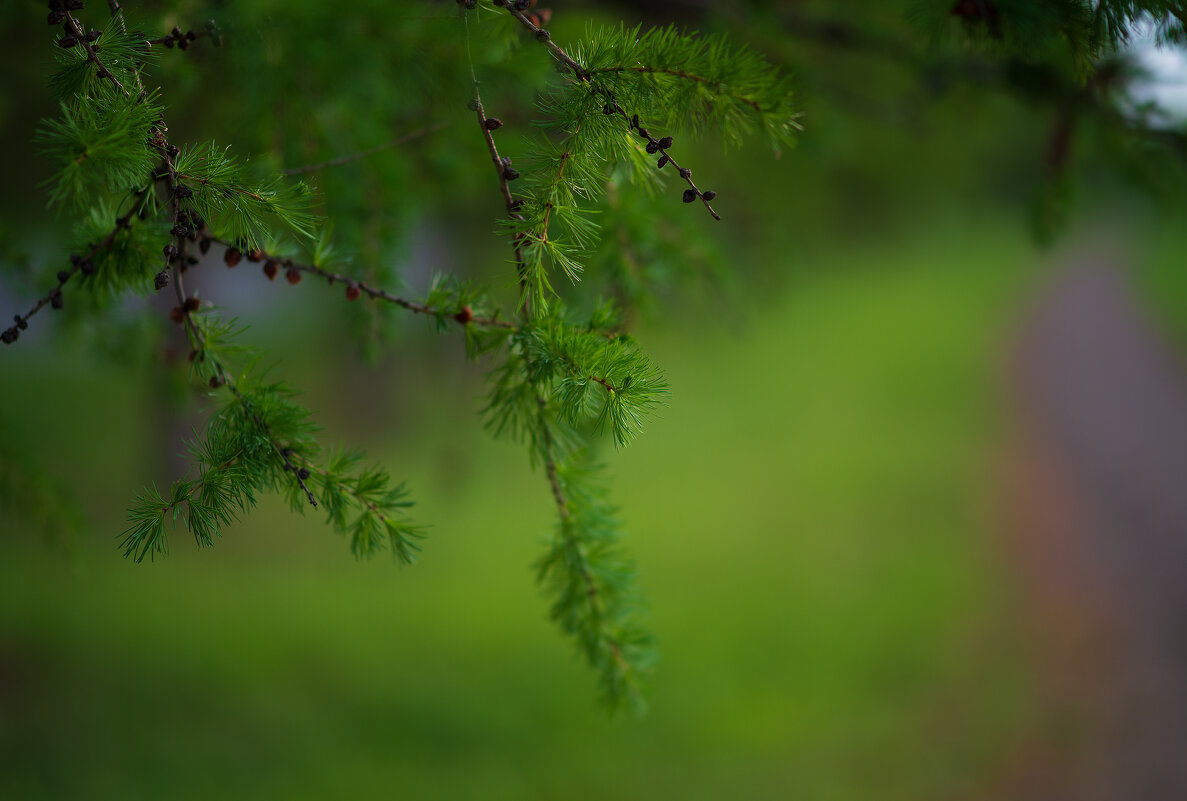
column 814, row 525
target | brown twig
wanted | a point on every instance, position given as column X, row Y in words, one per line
column 21, row 322
column 375, row 292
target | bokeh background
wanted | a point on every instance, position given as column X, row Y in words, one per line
column 911, row 526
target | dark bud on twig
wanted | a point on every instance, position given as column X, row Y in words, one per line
column 55, row 299
column 708, row 194
column 20, row 323
column 177, row 315
column 92, row 35
column 10, row 335
column 63, row 276
column 665, row 143
column 510, row 174
column 353, row 291
column 303, row 473
column 173, row 150
column 69, row 40
column 293, row 276
column 73, row 5
column 170, row 43
column 55, row 16
column 685, row 173
column 634, row 120
column 214, row 382
column 192, row 304
column 190, row 35
column 255, row 255
column 87, row 266
column 465, row 315
column 204, row 245
column 180, row 230
column 652, row 147
column 690, row 195
column 543, row 35
column 75, row 258
column 271, row 268
column 663, row 160
column 170, row 252
column 493, row 123
column 160, row 280
column 232, row 256
column 643, row 132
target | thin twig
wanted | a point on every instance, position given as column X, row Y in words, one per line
column 362, row 154
column 375, row 292
column 21, row 322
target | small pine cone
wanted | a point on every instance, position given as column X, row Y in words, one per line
column 510, row 174
column 232, row 257
column 63, row 276
column 204, row 245
column 214, row 382
column 271, row 268
column 303, row 473
column 665, row 143
column 177, row 314
column 10, row 335
column 493, row 123
column 192, row 304
column 255, row 255
column 689, row 195
column 170, row 252
column 652, row 147
column 465, row 315
column 353, row 291
column 160, row 280
column 708, row 194
column 685, row 173
column 293, row 276
column 663, row 161
column 69, row 40
column 55, row 299
column 87, row 266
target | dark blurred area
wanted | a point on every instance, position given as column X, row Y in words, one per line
column 911, row 527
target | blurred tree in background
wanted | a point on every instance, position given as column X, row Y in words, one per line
column 391, row 113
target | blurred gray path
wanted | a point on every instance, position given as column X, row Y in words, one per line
column 1097, row 499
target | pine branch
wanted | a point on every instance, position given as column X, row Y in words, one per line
column 74, row 28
